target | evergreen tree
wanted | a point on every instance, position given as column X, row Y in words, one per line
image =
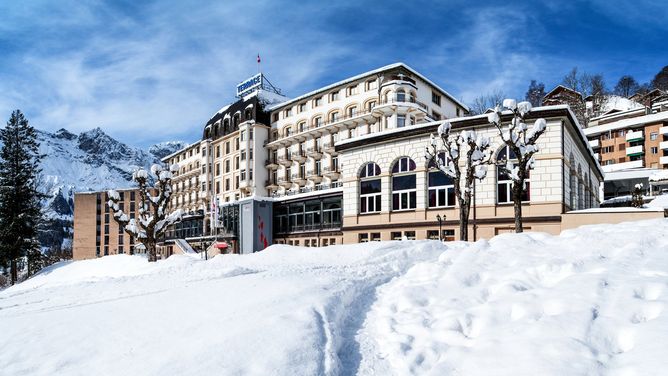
column 660, row 81
column 535, row 94
column 20, row 206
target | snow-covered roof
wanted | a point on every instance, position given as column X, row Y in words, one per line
column 365, row 74
column 196, row 143
column 561, row 87
column 660, row 202
column 636, row 173
column 660, row 175
column 626, row 123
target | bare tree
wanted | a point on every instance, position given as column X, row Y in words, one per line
column 446, row 157
column 521, row 142
column 626, row 86
column 153, row 218
column 485, row 102
column 591, row 87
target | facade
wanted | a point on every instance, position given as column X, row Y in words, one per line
column 304, row 165
column 96, row 233
column 631, row 146
column 345, row 164
column 391, row 191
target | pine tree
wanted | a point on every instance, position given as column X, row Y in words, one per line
column 20, row 206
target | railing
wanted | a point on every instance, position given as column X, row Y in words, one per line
column 408, row 99
column 313, row 150
column 329, row 169
column 317, row 187
column 311, row 227
column 298, row 154
column 271, row 161
column 297, row 176
column 269, row 182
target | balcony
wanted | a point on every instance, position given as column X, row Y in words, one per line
column 270, row 184
column 663, row 130
column 285, row 160
column 387, row 106
column 663, row 160
column 331, row 172
column 623, row 166
column 298, row 156
column 635, row 136
column 313, row 176
column 285, row 183
column 328, row 147
column 298, row 179
column 324, row 127
column 595, row 144
column 271, row 164
column 634, row 150
column 663, row 145
column 314, row 152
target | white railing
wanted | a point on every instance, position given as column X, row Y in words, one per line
column 634, row 150
column 634, row 135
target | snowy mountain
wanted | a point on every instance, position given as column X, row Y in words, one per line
column 89, row 161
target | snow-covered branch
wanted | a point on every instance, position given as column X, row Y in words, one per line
column 153, row 217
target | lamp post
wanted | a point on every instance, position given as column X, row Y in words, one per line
column 440, row 226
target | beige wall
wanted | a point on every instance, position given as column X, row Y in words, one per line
column 573, row 220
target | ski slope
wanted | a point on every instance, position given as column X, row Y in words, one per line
column 591, row 301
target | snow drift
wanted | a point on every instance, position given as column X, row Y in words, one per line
column 590, row 301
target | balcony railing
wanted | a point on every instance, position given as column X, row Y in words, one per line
column 317, row 187
column 407, row 99
column 634, row 150
column 634, row 135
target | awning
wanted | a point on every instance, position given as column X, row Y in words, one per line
column 221, row 245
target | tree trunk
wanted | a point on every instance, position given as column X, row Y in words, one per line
column 463, row 222
column 151, row 252
column 518, row 187
column 14, row 271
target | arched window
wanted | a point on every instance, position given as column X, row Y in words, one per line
column 504, row 183
column 249, row 114
column 441, row 186
column 580, row 189
column 352, row 111
column 235, row 121
column 301, row 126
column 216, row 130
column 317, row 121
column 401, row 95
column 226, row 126
column 334, row 116
column 403, row 184
column 370, row 188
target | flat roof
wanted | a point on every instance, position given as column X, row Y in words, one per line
column 626, row 123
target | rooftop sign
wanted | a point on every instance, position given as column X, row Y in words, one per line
column 247, row 86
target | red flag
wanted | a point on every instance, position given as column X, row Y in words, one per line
column 258, row 58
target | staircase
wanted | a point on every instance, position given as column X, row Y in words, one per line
column 185, row 248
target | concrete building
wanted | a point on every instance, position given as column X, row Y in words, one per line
column 391, row 192
column 631, row 146
column 345, row 163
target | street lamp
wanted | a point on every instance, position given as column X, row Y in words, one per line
column 440, row 226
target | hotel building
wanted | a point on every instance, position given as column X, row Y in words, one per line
column 345, row 163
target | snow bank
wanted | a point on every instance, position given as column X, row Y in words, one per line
column 590, row 301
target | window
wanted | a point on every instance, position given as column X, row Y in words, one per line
column 275, row 117
column 288, row 131
column 441, row 186
column 288, row 112
column 334, row 116
column 370, row 189
column 653, row 136
column 217, row 169
column 317, row 101
column 317, row 121
column 655, row 150
column 370, row 105
column 218, row 151
column 401, row 96
column 435, row 115
column 227, row 184
column 607, row 149
column 227, row 147
column 435, row 98
column 403, row 184
column 301, row 126
column 334, row 96
column 243, row 135
column 410, row 235
column 371, row 84
column 301, row 107
column 352, row 111
column 227, row 166
column 351, row 90
column 375, row 236
column 621, row 133
column 401, row 121
column 395, row 235
column 363, row 238
column 504, row 183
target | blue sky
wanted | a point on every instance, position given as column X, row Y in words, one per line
column 148, row 71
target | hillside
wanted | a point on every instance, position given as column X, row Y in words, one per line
column 89, row 161
column 590, row 301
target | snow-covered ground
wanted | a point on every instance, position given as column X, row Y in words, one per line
column 588, row 302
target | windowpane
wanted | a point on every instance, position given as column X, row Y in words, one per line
column 370, row 186
column 400, row 183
